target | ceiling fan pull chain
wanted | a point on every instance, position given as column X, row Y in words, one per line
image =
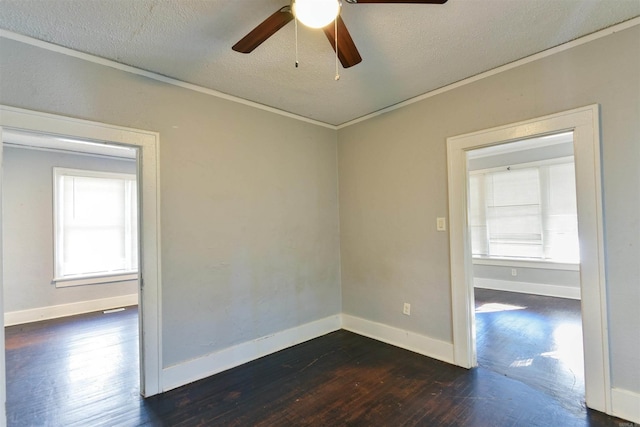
column 335, row 23
column 296, row 31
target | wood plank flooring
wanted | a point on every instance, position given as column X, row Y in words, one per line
column 82, row 371
column 73, row 371
column 535, row 339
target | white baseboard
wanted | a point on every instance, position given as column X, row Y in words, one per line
column 400, row 338
column 63, row 310
column 202, row 367
column 528, row 288
column 625, row 404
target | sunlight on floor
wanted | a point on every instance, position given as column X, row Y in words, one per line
column 96, row 362
column 568, row 341
column 523, row 363
column 494, row 307
column 567, row 349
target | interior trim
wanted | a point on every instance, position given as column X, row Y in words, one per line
column 557, row 291
column 65, row 282
column 585, row 123
column 230, row 357
column 545, row 53
column 526, row 263
column 63, row 310
column 148, row 165
column 401, row 338
column 133, row 70
column 626, row 405
column 129, row 69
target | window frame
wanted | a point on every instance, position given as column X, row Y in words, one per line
column 60, row 280
column 511, row 260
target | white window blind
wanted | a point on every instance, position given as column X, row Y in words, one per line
column 96, row 223
column 525, row 211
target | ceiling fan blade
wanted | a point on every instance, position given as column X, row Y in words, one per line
column 398, row 1
column 262, row 32
column 347, row 51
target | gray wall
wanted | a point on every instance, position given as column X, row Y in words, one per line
column 249, row 212
column 250, row 241
column 28, row 229
column 542, row 276
column 393, row 185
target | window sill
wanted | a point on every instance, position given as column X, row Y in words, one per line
column 526, row 263
column 64, row 282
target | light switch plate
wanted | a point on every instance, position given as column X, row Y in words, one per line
column 441, row 224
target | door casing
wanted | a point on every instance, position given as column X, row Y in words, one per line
column 585, row 124
column 147, row 144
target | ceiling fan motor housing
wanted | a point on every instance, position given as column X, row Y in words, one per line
column 329, row 10
column 316, row 13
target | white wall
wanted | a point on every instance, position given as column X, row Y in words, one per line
column 249, row 214
column 393, row 185
column 28, row 229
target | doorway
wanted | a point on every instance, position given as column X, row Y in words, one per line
column 525, row 247
column 584, row 123
column 147, row 147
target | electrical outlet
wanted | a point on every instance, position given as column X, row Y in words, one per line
column 406, row 309
column 514, row 272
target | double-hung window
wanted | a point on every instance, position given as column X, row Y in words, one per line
column 525, row 211
column 96, row 227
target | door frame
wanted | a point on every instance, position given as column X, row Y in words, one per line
column 585, row 124
column 149, row 280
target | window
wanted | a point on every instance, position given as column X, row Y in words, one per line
column 95, row 215
column 525, row 211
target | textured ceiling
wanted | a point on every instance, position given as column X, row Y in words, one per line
column 407, row 49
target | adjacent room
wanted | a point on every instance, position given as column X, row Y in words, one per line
column 309, row 249
column 70, row 218
column 523, row 224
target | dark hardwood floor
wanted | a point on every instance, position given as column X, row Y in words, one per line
column 83, row 371
column 77, row 370
column 535, row 339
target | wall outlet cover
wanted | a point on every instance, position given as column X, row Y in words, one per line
column 406, row 309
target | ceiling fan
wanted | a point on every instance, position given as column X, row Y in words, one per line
column 316, row 14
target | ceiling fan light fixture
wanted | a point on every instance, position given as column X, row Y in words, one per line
column 315, row 13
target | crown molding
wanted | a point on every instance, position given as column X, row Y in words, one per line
column 545, row 53
column 158, row 77
column 129, row 69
